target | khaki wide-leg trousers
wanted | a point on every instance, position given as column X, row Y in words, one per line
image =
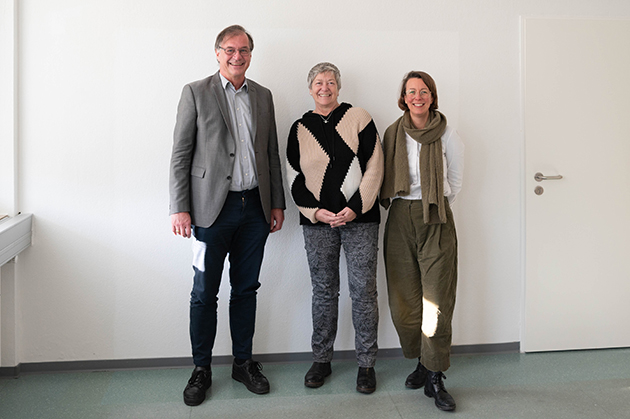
column 421, row 268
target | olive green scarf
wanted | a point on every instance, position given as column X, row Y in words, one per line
column 396, row 178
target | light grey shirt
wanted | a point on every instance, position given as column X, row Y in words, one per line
column 244, row 174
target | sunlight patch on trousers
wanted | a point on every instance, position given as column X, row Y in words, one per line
column 199, row 254
column 430, row 315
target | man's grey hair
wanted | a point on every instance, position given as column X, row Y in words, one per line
column 324, row 68
column 231, row 31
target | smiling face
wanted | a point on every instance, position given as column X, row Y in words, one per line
column 418, row 98
column 325, row 91
column 233, row 67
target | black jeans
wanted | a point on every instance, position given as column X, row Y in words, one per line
column 241, row 231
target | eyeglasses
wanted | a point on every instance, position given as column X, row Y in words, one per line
column 245, row 52
column 413, row 92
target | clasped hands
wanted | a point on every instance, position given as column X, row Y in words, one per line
column 335, row 220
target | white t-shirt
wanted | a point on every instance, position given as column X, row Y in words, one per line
column 453, row 162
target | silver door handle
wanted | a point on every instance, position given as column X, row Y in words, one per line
column 539, row 177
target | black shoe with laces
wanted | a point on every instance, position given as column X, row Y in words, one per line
column 200, row 381
column 250, row 374
column 417, row 378
column 434, row 387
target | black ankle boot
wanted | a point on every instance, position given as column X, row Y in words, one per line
column 366, row 380
column 315, row 376
column 434, row 387
column 417, row 378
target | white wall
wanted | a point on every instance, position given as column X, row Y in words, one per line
column 7, row 107
column 8, row 185
column 99, row 85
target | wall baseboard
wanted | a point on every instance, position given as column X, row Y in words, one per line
column 186, row 362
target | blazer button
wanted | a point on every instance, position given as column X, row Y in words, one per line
column 229, row 178
column 231, row 154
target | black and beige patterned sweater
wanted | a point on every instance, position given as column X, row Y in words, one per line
column 335, row 164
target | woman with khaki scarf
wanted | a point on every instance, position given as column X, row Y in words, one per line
column 424, row 160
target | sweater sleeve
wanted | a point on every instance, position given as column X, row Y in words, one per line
column 305, row 200
column 370, row 155
column 454, row 151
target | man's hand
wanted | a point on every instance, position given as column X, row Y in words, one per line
column 277, row 218
column 180, row 224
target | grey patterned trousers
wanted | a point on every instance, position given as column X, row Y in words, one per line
column 360, row 245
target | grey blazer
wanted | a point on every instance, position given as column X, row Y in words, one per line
column 204, row 147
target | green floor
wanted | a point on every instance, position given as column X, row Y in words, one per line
column 582, row 384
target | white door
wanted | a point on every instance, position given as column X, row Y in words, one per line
column 577, row 125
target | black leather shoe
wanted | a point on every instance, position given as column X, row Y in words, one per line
column 200, row 381
column 434, row 387
column 315, row 376
column 366, row 380
column 417, row 378
column 250, row 374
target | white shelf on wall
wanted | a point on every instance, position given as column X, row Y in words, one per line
column 15, row 236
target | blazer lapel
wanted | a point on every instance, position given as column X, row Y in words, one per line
column 253, row 101
column 219, row 93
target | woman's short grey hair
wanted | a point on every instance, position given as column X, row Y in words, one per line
column 324, row 68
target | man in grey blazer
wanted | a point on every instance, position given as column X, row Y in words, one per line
column 226, row 192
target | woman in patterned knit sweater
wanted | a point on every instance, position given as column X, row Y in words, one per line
column 335, row 170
